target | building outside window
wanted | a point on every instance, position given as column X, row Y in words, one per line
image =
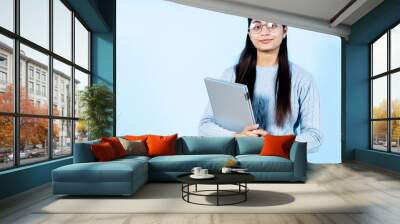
column 3, row 61
column 3, row 71
column 37, row 74
column 43, row 77
column 38, row 89
column 34, row 75
column 30, row 87
column 30, row 72
column 43, row 90
column 3, row 78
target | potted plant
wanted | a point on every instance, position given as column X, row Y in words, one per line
column 96, row 102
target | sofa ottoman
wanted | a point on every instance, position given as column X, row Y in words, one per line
column 119, row 177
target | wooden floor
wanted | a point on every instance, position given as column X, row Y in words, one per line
column 377, row 188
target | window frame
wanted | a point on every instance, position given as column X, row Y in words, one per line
column 3, row 70
column 388, row 74
column 5, row 59
column 3, row 74
column 16, row 114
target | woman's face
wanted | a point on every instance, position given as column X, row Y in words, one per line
column 266, row 36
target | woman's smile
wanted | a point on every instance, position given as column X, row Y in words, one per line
column 265, row 41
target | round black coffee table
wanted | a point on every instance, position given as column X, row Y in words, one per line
column 238, row 179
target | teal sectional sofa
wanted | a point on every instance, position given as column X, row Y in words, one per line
column 125, row 176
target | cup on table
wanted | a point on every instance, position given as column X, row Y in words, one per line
column 196, row 171
column 203, row 172
column 226, row 170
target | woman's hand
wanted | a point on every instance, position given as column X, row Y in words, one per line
column 251, row 130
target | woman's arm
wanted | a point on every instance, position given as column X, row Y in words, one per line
column 309, row 115
column 207, row 125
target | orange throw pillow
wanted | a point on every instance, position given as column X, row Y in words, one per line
column 277, row 145
column 116, row 145
column 136, row 137
column 103, row 151
column 161, row 145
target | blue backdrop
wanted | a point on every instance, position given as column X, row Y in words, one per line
column 164, row 50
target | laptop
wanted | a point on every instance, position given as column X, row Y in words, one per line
column 230, row 103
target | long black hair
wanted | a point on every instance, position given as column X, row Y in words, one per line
column 245, row 71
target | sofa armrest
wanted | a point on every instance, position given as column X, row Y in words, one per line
column 298, row 155
column 83, row 152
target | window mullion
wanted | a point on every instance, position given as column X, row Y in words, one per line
column 371, row 145
column 50, row 81
column 389, row 106
column 16, row 84
column 73, row 83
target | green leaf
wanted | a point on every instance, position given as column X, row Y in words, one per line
column 96, row 102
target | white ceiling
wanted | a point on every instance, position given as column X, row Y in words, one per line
column 326, row 16
column 321, row 9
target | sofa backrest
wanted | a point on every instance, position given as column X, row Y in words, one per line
column 249, row 145
column 192, row 145
column 83, row 152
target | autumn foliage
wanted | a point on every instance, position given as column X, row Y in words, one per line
column 380, row 127
column 33, row 131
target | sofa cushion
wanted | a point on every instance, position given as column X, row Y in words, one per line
column 116, row 145
column 249, row 145
column 159, row 145
column 257, row 163
column 185, row 163
column 103, row 152
column 275, row 145
column 197, row 145
column 136, row 137
column 131, row 158
column 136, row 147
column 111, row 171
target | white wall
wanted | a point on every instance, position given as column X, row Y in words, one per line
column 164, row 50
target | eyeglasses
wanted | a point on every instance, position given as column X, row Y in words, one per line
column 256, row 27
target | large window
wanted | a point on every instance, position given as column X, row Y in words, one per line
column 385, row 91
column 81, row 45
column 7, row 14
column 34, row 21
column 44, row 64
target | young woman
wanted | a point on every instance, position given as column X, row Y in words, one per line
column 284, row 97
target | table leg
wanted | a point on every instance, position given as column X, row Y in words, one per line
column 182, row 190
column 245, row 193
column 196, row 188
column 188, row 190
column 217, row 194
